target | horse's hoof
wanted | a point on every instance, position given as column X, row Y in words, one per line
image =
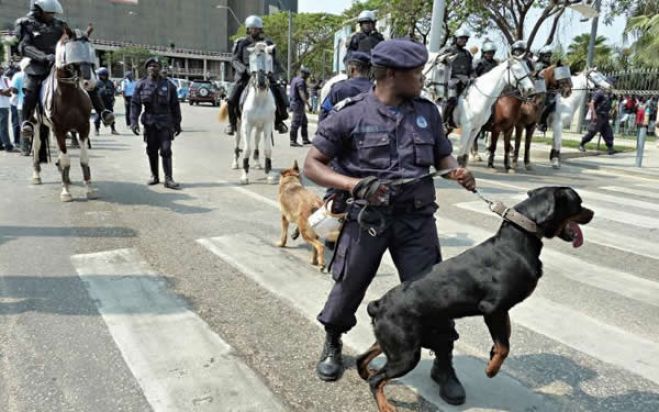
column 272, row 180
column 65, row 197
column 92, row 194
column 258, row 166
column 244, row 181
column 476, row 157
column 234, row 165
column 528, row 166
column 36, row 180
column 555, row 163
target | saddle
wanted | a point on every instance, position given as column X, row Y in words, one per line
column 46, row 97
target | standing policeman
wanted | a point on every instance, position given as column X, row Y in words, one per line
column 161, row 119
column 299, row 96
column 368, row 37
column 358, row 66
column 600, row 105
column 387, row 133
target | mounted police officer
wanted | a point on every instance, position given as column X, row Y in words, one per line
column 461, row 70
column 240, row 63
column 368, row 37
column 544, row 61
column 358, row 67
column 299, row 98
column 600, row 107
column 105, row 88
column 518, row 49
column 373, row 140
column 38, row 34
column 487, row 61
column 161, row 119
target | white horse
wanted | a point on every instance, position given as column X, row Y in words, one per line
column 324, row 91
column 567, row 106
column 475, row 104
column 258, row 113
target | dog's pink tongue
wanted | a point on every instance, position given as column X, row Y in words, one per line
column 577, row 235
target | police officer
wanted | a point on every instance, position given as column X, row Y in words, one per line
column 127, row 90
column 518, row 49
column 461, row 70
column 372, row 138
column 240, row 63
column 358, row 66
column 105, row 88
column 38, row 34
column 299, row 97
column 600, row 106
column 368, row 37
column 487, row 61
column 161, row 119
column 544, row 61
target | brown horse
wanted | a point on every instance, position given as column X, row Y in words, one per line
column 532, row 110
column 66, row 106
column 506, row 115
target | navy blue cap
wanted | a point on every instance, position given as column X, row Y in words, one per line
column 399, row 54
column 357, row 56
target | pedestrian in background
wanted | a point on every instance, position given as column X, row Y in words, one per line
column 127, row 90
column 5, row 105
column 106, row 90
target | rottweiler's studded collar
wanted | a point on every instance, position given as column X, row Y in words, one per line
column 511, row 215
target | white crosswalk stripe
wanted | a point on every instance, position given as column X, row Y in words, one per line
column 632, row 191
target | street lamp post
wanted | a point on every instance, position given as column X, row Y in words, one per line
column 221, row 6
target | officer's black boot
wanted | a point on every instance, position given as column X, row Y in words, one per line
column 30, row 101
column 167, row 168
column 442, row 372
column 330, row 366
column 153, row 165
column 233, row 121
column 305, row 137
column 294, row 142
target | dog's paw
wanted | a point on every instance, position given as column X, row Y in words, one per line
column 492, row 369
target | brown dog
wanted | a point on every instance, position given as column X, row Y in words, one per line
column 297, row 204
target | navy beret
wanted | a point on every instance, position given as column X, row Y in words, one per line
column 399, row 54
column 357, row 56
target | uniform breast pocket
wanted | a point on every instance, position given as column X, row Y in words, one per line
column 374, row 151
column 424, row 150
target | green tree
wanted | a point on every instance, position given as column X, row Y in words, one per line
column 643, row 27
column 132, row 57
column 578, row 50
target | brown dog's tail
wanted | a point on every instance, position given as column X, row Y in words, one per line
column 373, row 308
column 223, row 114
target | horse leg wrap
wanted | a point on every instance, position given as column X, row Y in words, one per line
column 86, row 173
column 268, row 165
column 246, row 164
column 256, row 154
column 65, row 175
column 237, row 152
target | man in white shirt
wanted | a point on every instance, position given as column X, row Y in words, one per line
column 5, row 105
column 16, row 102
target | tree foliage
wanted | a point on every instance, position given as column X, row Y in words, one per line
column 133, row 58
column 643, row 27
column 578, row 50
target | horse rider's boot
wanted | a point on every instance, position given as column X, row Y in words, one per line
column 330, row 366
column 153, row 164
column 230, row 130
column 107, row 117
column 27, row 130
column 442, row 372
column 167, row 167
column 281, row 127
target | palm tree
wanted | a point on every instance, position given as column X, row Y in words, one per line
column 645, row 29
column 577, row 52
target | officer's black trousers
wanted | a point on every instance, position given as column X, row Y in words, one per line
column 300, row 122
column 414, row 247
column 601, row 125
column 159, row 140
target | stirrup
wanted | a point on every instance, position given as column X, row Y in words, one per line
column 27, row 130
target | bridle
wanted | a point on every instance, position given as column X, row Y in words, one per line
column 509, row 73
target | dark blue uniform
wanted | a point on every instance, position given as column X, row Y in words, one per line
column 161, row 119
column 298, row 88
column 106, row 90
column 364, row 42
column 602, row 104
column 366, row 138
column 342, row 90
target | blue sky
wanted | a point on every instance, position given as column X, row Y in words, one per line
column 571, row 26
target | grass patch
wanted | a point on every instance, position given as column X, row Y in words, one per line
column 574, row 144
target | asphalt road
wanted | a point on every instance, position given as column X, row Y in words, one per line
column 152, row 299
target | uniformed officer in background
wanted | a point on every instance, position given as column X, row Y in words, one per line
column 358, row 67
column 299, row 98
column 600, row 106
column 518, row 49
column 387, row 133
column 544, row 59
column 106, row 90
column 161, row 119
column 461, row 71
column 240, row 63
column 38, row 34
column 368, row 37
column 487, row 61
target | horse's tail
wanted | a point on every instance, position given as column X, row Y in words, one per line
column 223, row 114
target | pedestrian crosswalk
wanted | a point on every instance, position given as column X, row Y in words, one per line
column 579, row 315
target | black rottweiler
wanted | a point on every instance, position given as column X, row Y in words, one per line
column 486, row 280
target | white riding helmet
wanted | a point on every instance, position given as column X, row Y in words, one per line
column 462, row 33
column 546, row 50
column 489, row 47
column 253, row 22
column 366, row 15
column 518, row 45
column 49, row 6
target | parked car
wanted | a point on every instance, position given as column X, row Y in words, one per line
column 182, row 88
column 224, row 88
column 203, row 91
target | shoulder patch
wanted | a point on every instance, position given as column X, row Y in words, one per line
column 347, row 102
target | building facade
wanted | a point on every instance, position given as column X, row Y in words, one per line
column 195, row 34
